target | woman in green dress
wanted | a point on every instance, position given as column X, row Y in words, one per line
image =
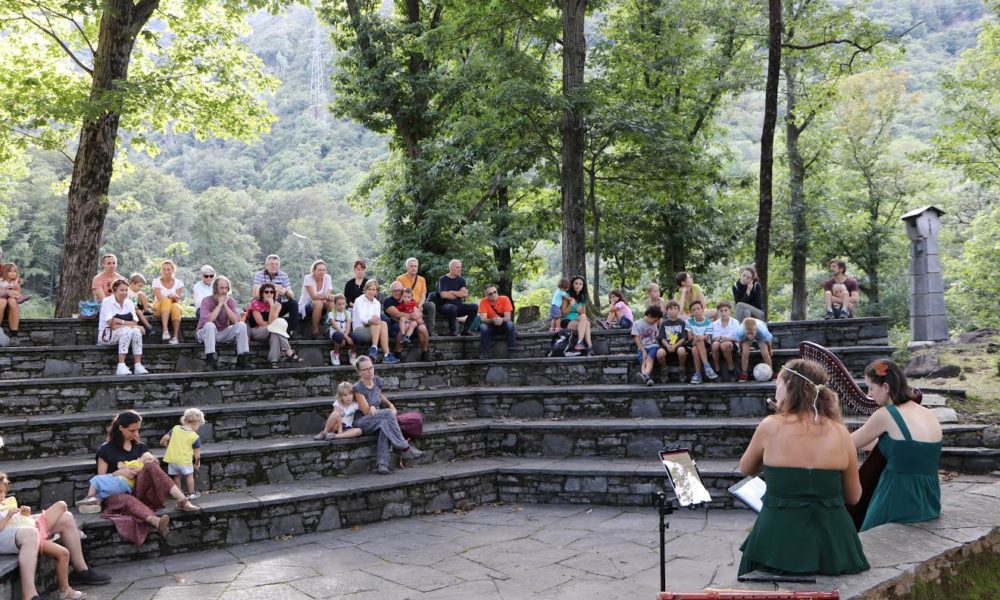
column 811, row 469
column 909, row 436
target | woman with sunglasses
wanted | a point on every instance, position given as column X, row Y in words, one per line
column 909, row 436
column 811, row 468
column 261, row 313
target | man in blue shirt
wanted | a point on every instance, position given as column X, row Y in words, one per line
column 452, row 289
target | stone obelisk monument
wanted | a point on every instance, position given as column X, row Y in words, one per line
column 928, row 321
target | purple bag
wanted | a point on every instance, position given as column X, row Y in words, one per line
column 411, row 424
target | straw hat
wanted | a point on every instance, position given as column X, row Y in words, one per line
column 279, row 326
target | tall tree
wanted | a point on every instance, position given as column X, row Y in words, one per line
column 762, row 246
column 574, row 57
column 193, row 75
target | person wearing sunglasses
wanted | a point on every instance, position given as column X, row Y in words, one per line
column 203, row 287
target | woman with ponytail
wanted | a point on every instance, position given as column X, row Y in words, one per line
column 811, row 469
column 909, row 436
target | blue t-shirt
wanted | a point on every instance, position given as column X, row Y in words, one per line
column 557, row 298
column 763, row 335
column 451, row 284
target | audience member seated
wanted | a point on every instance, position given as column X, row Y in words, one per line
column 653, row 297
column 220, row 323
column 495, row 318
column 118, row 325
column 134, row 514
column 340, row 423
column 101, row 285
column 619, row 312
column 10, row 300
column 202, row 289
column 724, row 332
column 754, row 330
column 272, row 273
column 842, row 302
column 368, row 326
column 317, row 296
column 29, row 535
column 265, row 324
column 648, row 351
column 355, row 286
column 453, row 290
column 687, row 293
column 699, row 331
column 673, row 338
column 748, row 295
column 404, row 319
column 341, row 331
column 811, row 468
column 909, row 437
column 574, row 310
column 137, row 294
column 168, row 291
column 410, row 279
column 378, row 415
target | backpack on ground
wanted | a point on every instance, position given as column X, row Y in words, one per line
column 561, row 342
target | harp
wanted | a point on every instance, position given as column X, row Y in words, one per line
column 853, row 403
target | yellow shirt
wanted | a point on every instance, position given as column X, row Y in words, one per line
column 180, row 450
column 419, row 287
column 18, row 521
column 686, row 306
column 132, row 464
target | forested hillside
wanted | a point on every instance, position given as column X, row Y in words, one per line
column 438, row 135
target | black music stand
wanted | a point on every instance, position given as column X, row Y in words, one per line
column 689, row 493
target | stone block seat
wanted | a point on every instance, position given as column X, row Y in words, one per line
column 526, row 429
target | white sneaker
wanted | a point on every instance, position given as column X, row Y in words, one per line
column 122, row 369
column 352, row 358
column 194, row 495
column 174, row 341
column 334, row 358
column 138, row 369
column 165, row 336
column 89, row 506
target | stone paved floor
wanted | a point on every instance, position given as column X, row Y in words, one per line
column 501, row 552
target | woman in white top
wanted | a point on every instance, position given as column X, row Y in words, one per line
column 167, row 307
column 367, row 318
column 119, row 324
column 316, row 298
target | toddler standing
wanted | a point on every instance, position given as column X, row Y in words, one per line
column 184, row 449
column 555, row 307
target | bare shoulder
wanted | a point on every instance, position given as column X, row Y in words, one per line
column 771, row 424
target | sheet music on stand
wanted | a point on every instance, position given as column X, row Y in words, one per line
column 750, row 491
column 682, row 473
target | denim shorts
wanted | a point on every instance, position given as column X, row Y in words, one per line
column 173, row 469
column 651, row 350
column 555, row 312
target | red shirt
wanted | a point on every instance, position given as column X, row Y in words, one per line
column 502, row 306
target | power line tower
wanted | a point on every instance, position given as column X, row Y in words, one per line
column 317, row 77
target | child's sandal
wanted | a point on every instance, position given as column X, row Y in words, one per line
column 294, row 358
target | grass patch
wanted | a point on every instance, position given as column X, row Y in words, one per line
column 978, row 577
column 979, row 379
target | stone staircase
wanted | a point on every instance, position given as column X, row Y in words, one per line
column 526, row 429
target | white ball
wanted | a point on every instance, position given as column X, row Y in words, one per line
column 762, row 372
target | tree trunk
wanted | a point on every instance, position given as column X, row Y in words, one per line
column 573, row 140
column 796, row 183
column 501, row 249
column 595, row 214
column 762, row 244
column 88, row 191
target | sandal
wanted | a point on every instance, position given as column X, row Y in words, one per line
column 71, row 594
column 293, row 358
column 275, row 365
column 187, row 506
column 163, row 526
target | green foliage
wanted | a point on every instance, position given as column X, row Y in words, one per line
column 970, row 297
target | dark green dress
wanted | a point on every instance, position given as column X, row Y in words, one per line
column 803, row 527
column 908, row 490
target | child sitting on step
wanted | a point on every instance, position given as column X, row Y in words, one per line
column 340, row 422
column 104, row 486
column 184, row 449
column 339, row 321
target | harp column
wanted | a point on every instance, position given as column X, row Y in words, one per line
column 928, row 321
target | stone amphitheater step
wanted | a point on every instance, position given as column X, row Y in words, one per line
column 108, row 392
column 245, row 463
column 268, row 511
column 788, row 334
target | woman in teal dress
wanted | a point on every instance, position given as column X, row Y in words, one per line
column 811, row 469
column 909, row 436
